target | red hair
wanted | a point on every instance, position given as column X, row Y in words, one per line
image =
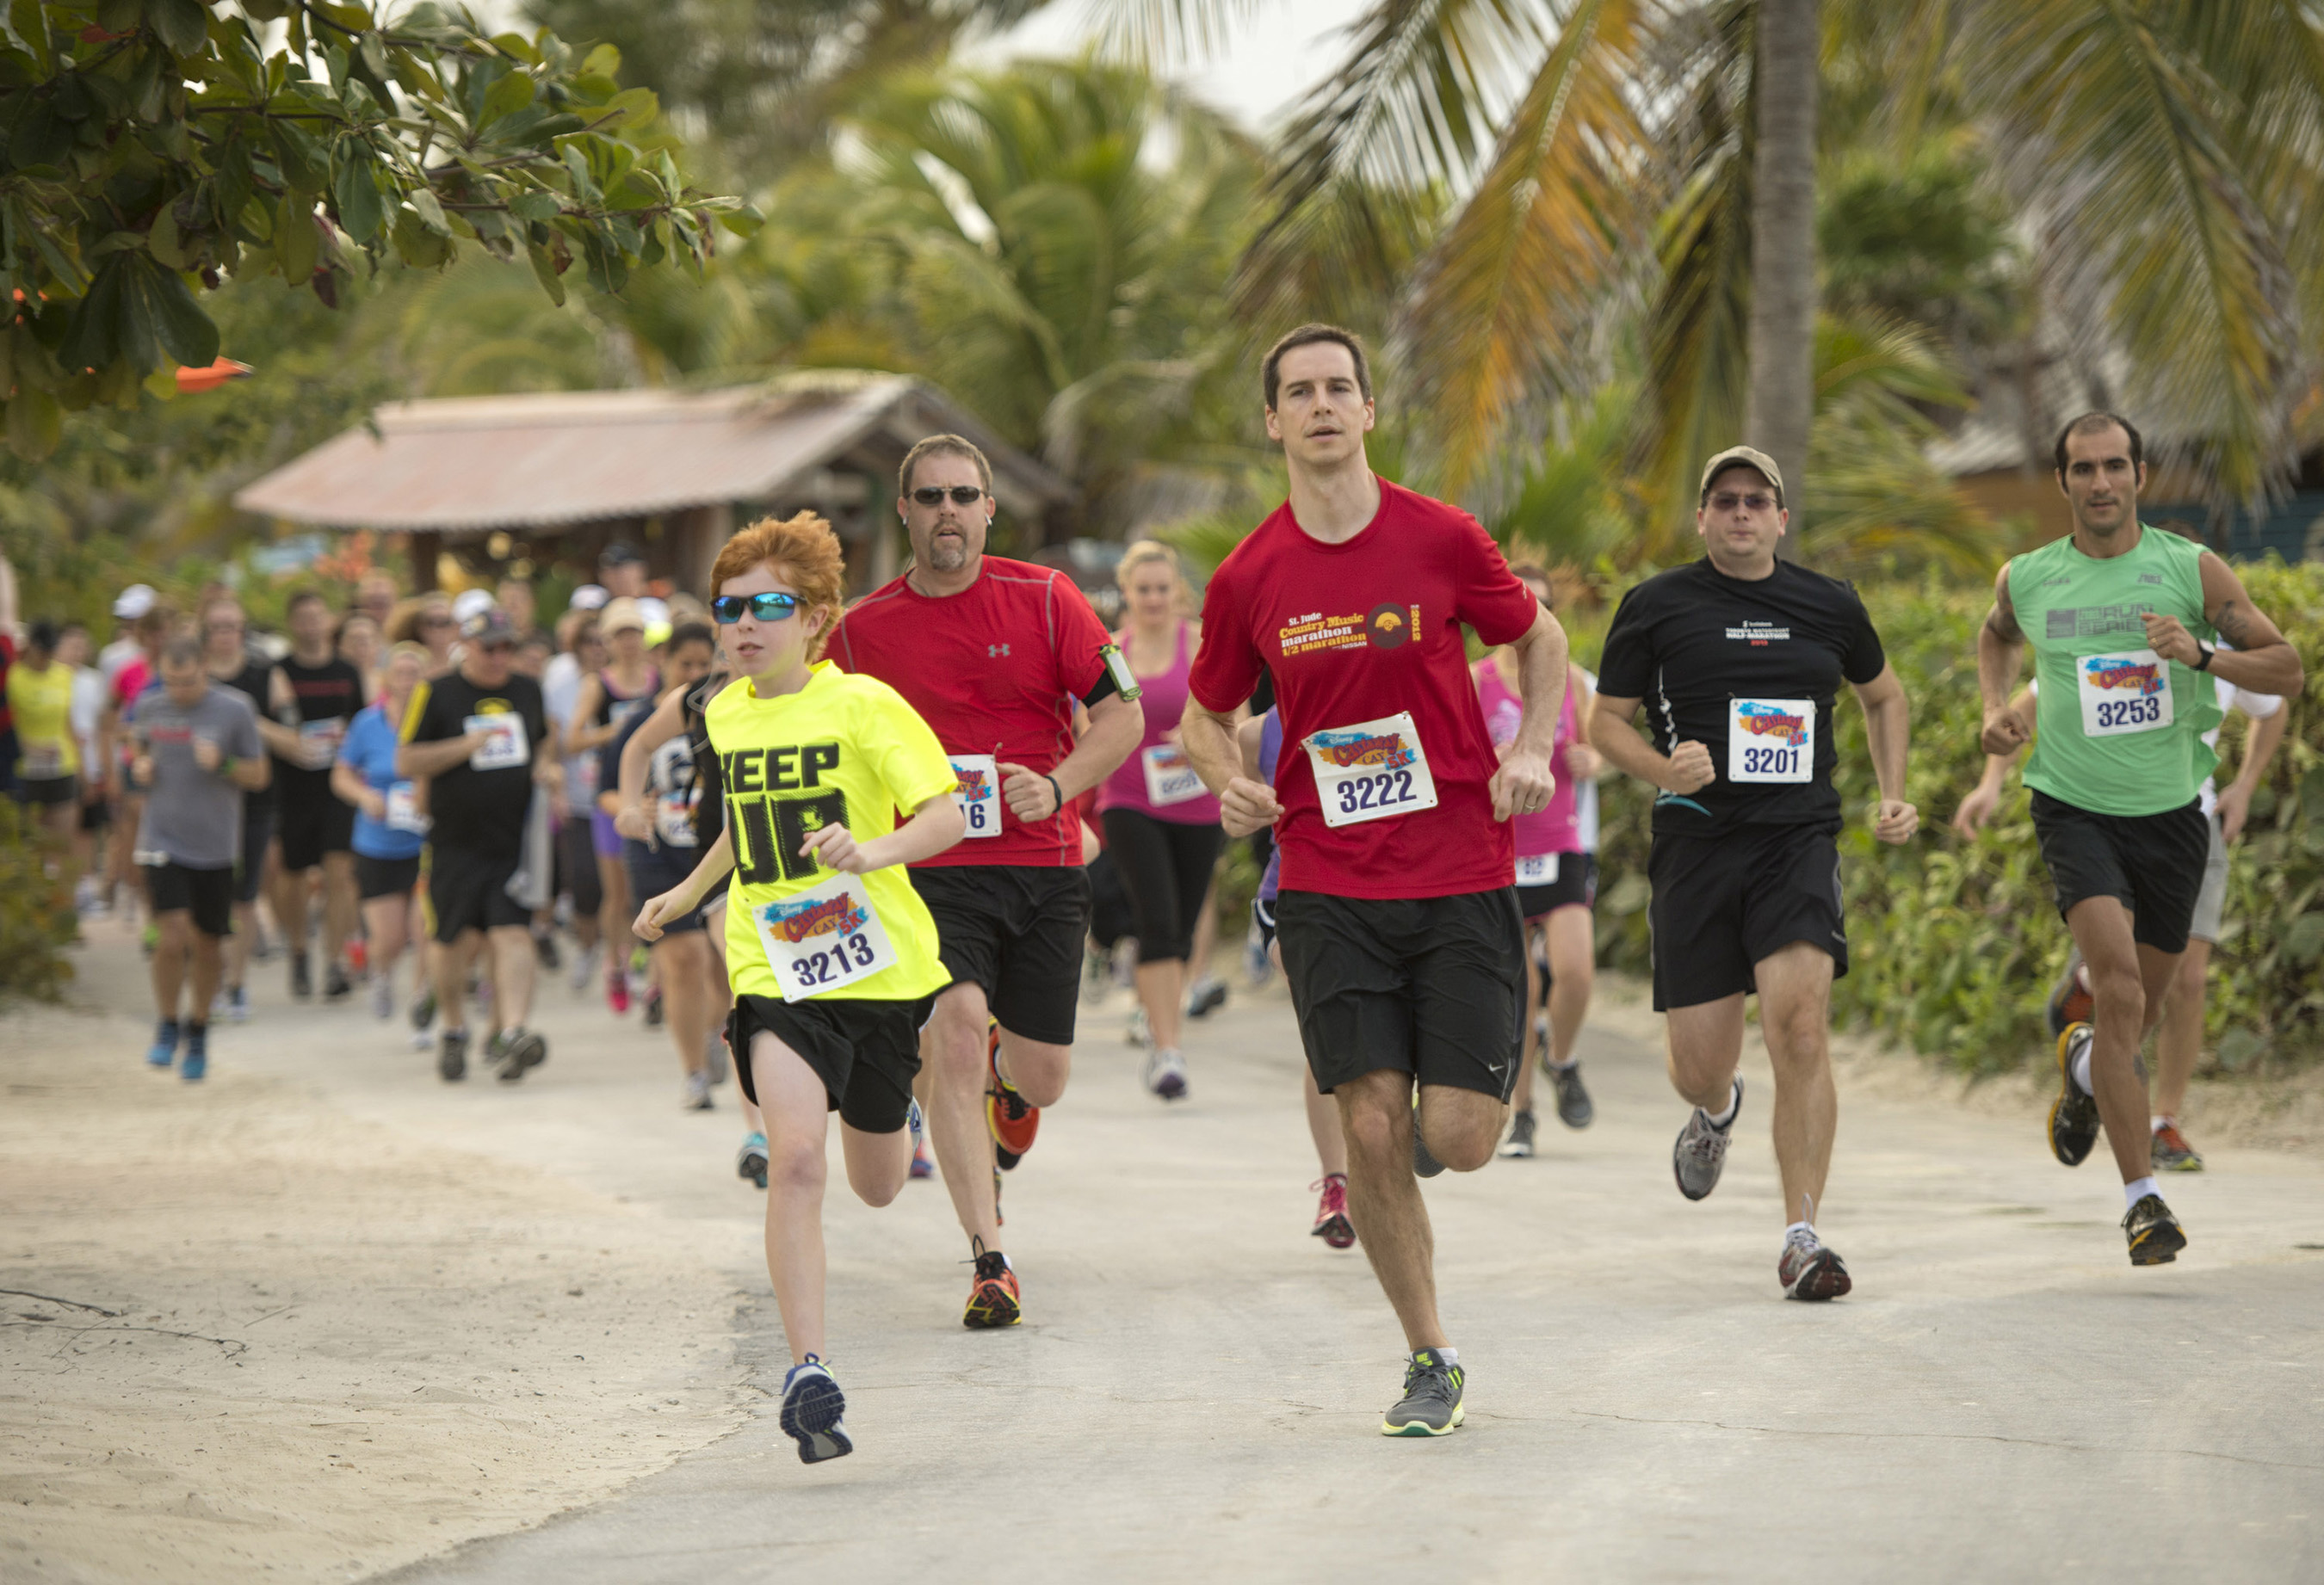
column 805, row 554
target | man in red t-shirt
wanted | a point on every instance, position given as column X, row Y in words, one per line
column 993, row 655
column 1398, row 920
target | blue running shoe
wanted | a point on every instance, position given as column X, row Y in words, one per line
column 197, row 1064
column 163, row 1051
column 813, row 1406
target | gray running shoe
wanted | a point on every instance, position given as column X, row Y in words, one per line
column 1520, row 1144
column 2170, row 1151
column 1810, row 1271
column 516, row 1050
column 1701, row 1150
column 1431, row 1404
column 452, row 1060
column 1573, row 1108
column 1423, row 1164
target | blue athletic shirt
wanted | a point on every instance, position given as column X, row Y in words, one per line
column 369, row 748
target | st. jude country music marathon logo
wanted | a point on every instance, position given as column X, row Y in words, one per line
column 796, row 920
column 1766, row 720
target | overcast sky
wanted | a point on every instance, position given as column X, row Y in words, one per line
column 1270, row 62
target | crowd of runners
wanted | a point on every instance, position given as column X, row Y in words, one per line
column 871, row 855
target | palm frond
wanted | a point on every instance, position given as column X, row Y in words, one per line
column 1503, row 306
column 2115, row 131
column 1147, row 32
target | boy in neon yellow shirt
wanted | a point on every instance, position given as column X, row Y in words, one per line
column 831, row 953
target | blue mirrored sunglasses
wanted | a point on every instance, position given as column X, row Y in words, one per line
column 770, row 607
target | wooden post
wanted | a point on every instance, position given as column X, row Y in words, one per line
column 426, row 546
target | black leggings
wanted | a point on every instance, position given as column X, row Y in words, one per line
column 1166, row 868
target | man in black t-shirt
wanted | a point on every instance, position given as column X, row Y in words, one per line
column 225, row 654
column 313, row 698
column 1738, row 660
column 482, row 742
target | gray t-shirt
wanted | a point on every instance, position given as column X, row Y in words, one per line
column 193, row 817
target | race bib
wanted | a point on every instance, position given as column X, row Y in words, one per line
column 1770, row 740
column 318, row 741
column 979, row 791
column 674, row 817
column 403, row 809
column 1537, row 869
column 2124, row 693
column 505, row 748
column 1170, row 778
column 818, row 940
column 1372, row 770
column 42, row 763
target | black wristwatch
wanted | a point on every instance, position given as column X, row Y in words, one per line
column 2204, row 664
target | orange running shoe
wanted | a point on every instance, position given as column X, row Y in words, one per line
column 992, row 1297
column 1012, row 1119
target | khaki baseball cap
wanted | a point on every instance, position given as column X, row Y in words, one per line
column 1745, row 456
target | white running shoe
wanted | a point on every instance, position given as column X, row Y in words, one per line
column 697, row 1092
column 1164, row 1073
column 383, row 998
column 584, row 966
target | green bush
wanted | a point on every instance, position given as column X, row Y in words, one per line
column 37, row 921
column 1952, row 944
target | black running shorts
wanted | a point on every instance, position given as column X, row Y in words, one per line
column 207, row 894
column 1430, row 986
column 1015, row 930
column 1576, row 887
column 469, row 892
column 385, row 877
column 654, row 871
column 866, row 1052
column 311, row 822
column 577, row 866
column 257, row 830
column 2153, row 863
column 1723, row 903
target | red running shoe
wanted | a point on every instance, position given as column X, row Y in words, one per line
column 1331, row 1223
column 1012, row 1119
column 617, row 987
column 993, row 1296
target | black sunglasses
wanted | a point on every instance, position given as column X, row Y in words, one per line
column 769, row 607
column 962, row 494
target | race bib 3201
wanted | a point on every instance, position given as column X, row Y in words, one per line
column 1770, row 740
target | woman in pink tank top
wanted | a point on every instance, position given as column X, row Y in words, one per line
column 1556, row 883
column 1161, row 825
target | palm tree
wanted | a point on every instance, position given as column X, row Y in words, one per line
column 1608, row 154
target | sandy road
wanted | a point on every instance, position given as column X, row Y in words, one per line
column 1198, row 1382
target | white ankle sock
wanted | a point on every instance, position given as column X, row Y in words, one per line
column 2158, row 1122
column 1796, row 1228
column 2137, row 1189
column 2082, row 1071
column 1734, row 1104
column 1450, row 1356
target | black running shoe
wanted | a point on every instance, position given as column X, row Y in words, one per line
column 514, row 1051
column 336, row 986
column 423, row 1010
column 2154, row 1234
column 302, row 979
column 452, row 1055
column 2074, row 1115
column 544, row 947
column 1573, row 1106
column 813, row 1407
column 1431, row 1404
column 1425, row 1164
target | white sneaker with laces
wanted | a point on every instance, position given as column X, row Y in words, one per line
column 1164, row 1072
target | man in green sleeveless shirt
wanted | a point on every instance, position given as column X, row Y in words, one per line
column 2121, row 618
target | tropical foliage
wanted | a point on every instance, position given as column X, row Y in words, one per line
column 157, row 147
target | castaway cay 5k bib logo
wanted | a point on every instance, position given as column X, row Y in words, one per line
column 1385, row 750
column 1766, row 720
column 974, row 785
column 2120, row 673
column 798, row 920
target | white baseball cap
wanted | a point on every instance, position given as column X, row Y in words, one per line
column 470, row 602
column 134, row 602
column 588, row 597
